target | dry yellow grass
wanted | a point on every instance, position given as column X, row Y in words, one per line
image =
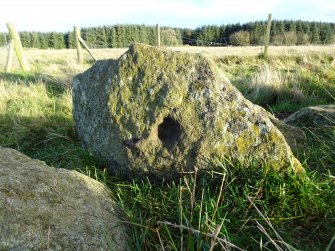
column 217, row 52
column 68, row 56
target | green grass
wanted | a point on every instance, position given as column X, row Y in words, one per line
column 186, row 214
column 284, row 83
column 236, row 208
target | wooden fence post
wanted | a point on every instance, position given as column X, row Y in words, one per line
column 9, row 56
column 79, row 51
column 267, row 36
column 158, row 32
column 18, row 47
column 82, row 41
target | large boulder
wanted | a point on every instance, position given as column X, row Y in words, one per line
column 313, row 116
column 163, row 112
column 43, row 208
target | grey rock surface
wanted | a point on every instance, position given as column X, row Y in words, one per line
column 163, row 112
column 313, row 116
column 43, row 208
column 294, row 136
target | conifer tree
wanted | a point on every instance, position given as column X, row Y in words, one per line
column 222, row 32
column 25, row 39
column 110, row 34
column 282, row 32
column 69, row 40
column 326, row 34
column 43, row 40
column 35, row 41
column 315, row 33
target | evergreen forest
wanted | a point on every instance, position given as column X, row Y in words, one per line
column 285, row 32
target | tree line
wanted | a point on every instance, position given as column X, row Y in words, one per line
column 285, row 32
column 115, row 36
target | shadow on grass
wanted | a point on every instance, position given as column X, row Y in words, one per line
column 18, row 77
column 52, row 139
column 54, row 86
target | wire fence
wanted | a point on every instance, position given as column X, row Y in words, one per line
column 222, row 38
column 171, row 37
column 289, row 39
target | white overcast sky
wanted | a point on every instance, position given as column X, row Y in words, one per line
column 62, row 15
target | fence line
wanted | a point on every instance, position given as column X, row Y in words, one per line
column 76, row 31
column 9, row 60
column 267, row 36
column 79, row 41
column 287, row 36
column 18, row 47
column 218, row 41
column 87, row 48
column 158, row 36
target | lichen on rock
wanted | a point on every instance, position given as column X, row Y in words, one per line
column 163, row 112
column 44, row 208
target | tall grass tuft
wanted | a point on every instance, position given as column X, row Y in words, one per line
column 266, row 86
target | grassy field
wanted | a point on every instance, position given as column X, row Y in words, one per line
column 235, row 209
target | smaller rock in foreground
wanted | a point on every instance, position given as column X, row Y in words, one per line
column 313, row 116
column 43, row 208
column 294, row 136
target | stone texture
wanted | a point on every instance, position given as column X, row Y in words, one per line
column 43, row 208
column 162, row 112
column 294, row 136
column 313, row 116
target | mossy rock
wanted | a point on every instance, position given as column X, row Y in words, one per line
column 44, row 208
column 163, row 112
column 313, row 116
